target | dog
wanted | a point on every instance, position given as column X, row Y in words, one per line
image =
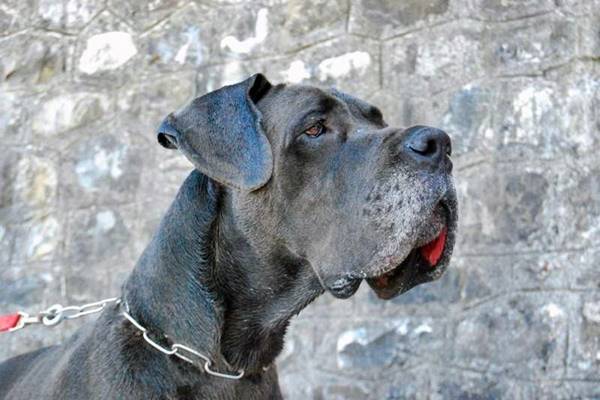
column 296, row 191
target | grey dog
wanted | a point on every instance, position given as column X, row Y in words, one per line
column 296, row 191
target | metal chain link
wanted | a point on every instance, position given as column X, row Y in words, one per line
column 56, row 313
column 177, row 348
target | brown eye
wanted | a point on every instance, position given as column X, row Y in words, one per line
column 316, row 130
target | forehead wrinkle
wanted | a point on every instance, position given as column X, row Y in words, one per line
column 282, row 108
column 358, row 108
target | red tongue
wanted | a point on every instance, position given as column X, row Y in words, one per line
column 432, row 251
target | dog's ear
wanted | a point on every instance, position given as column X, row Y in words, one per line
column 221, row 134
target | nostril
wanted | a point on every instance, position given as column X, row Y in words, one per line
column 424, row 147
column 427, row 144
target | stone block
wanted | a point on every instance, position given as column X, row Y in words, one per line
column 66, row 15
column 101, row 169
column 63, row 112
column 34, row 59
column 584, row 339
column 106, row 53
column 536, row 346
column 389, row 18
column 491, row 10
column 417, row 64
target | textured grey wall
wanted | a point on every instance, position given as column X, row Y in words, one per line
column 516, row 83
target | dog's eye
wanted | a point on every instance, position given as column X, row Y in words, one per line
column 315, row 130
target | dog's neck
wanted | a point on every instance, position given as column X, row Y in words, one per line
column 203, row 284
column 262, row 288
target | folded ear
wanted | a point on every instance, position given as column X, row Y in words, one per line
column 221, row 134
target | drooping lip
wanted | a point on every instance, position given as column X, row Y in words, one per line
column 399, row 273
column 429, row 255
column 423, row 263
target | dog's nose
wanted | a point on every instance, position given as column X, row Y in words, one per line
column 426, row 144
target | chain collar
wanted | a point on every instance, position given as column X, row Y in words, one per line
column 179, row 350
column 55, row 314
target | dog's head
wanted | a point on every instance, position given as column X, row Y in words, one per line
column 322, row 174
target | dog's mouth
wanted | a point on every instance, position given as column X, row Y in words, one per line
column 425, row 262
column 421, row 262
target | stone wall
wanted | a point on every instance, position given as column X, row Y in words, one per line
column 83, row 84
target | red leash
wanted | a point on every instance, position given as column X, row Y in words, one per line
column 9, row 322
